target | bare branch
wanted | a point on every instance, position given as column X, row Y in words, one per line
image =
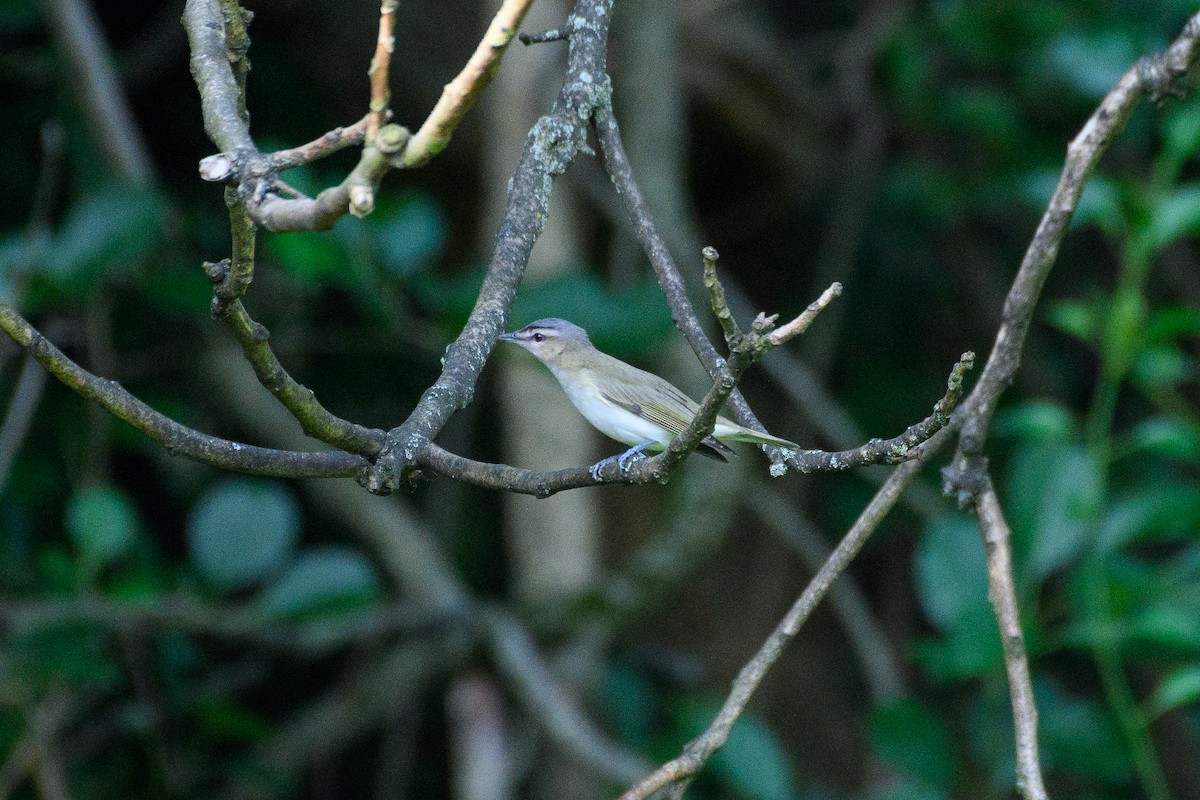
column 716, row 292
column 230, row 279
column 1152, row 77
column 680, row 770
column 329, row 143
column 553, row 143
column 462, row 92
column 800, row 324
column 19, row 415
column 217, row 60
column 310, row 638
column 81, row 42
column 177, row 439
column 385, row 44
column 896, row 449
column 224, row 119
column 518, row 661
column 1002, row 593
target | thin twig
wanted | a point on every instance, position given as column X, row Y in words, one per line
column 716, row 291
column 315, row 420
column 462, row 92
column 177, row 439
column 1150, row 77
column 876, row 656
column 385, row 44
column 519, row 662
column 311, row 638
column 681, row 769
column 329, row 143
column 216, row 63
column 552, row 144
column 1002, row 593
column 81, row 42
column 800, row 324
column 25, row 397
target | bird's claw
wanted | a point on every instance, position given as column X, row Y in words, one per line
column 628, row 457
column 623, row 460
column 599, row 465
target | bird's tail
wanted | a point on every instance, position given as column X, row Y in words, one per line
column 747, row 435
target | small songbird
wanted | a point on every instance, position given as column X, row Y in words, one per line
column 623, row 402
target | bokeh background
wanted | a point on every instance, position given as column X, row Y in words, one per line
column 170, row 631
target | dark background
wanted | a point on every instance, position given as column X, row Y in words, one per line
column 905, row 150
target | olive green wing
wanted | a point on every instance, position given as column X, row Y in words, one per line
column 657, row 401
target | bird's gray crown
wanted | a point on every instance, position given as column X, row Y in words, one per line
column 554, row 326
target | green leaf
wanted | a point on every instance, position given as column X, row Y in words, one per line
column 223, row 718
column 1175, row 214
column 1180, row 688
column 315, row 258
column 102, row 523
column 1163, row 367
column 410, row 235
column 103, row 231
column 970, row 649
column 1079, row 736
column 319, row 579
column 629, row 699
column 752, row 762
column 1166, row 438
column 1158, row 511
column 1165, row 628
column 909, row 736
column 1076, row 318
column 241, row 531
column 1054, row 501
column 906, row 790
column 1090, row 62
column 176, row 289
column 1100, row 205
column 1036, row 420
column 1168, row 324
column 1182, row 133
column 951, row 570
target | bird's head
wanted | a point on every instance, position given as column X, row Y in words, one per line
column 549, row 338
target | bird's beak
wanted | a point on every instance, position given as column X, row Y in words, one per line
column 508, row 337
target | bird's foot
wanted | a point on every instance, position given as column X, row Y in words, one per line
column 599, row 465
column 631, row 455
column 623, row 460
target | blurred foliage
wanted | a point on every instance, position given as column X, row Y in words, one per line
column 1096, row 450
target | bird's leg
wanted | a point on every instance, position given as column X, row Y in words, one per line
column 623, row 460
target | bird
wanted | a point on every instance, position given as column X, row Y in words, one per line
column 630, row 405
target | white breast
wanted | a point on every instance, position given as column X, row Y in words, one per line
column 615, row 423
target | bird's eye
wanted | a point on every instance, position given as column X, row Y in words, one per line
column 539, row 337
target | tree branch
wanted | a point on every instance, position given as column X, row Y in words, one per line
column 552, row 144
column 215, row 58
column 1002, row 593
column 462, row 92
column 231, row 278
column 680, row 770
column 177, row 439
column 1153, row 77
column 81, row 43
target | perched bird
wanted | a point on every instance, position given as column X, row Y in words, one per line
column 623, row 402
